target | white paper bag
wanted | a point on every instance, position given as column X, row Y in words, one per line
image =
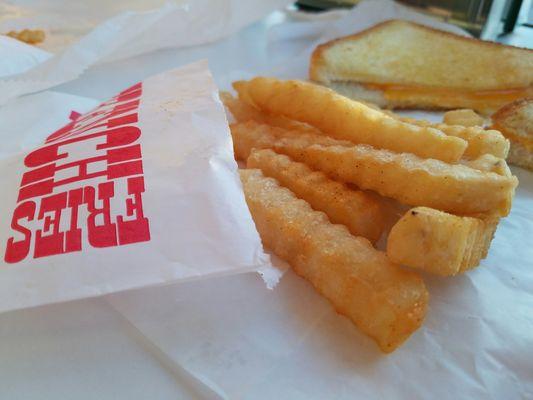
column 175, row 24
column 140, row 191
column 17, row 57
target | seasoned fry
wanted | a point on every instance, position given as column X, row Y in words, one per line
column 359, row 211
column 384, row 301
column 345, row 119
column 404, row 177
column 438, row 242
column 484, row 240
column 407, row 178
column 491, row 224
column 30, row 36
column 489, row 163
column 250, row 135
column 463, row 117
column 243, row 112
column 480, row 141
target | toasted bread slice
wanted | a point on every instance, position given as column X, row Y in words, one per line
column 399, row 64
column 515, row 121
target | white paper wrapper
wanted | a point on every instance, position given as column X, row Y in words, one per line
column 28, row 120
column 158, row 201
column 175, row 24
column 17, row 57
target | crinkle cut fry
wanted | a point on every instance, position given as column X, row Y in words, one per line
column 483, row 239
column 489, row 163
column 346, row 119
column 383, row 300
column 438, row 242
column 240, row 110
column 243, row 112
column 405, row 177
column 361, row 212
column 251, row 134
column 480, row 141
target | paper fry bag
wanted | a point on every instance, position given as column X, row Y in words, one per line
column 140, row 191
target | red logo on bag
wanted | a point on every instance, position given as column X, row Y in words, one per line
column 68, row 195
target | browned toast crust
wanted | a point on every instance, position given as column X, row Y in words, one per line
column 518, row 129
column 317, row 60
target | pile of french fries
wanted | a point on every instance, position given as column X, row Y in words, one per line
column 325, row 179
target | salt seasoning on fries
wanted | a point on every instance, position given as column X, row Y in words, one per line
column 424, row 182
column 342, row 118
column 408, row 178
column 360, row 212
column 243, row 112
column 385, row 302
column 250, row 135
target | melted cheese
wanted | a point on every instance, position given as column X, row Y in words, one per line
column 450, row 98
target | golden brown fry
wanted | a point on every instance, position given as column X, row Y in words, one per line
column 251, row 134
column 404, row 177
column 486, row 234
column 243, row 112
column 489, row 163
column 359, row 211
column 246, row 138
column 30, row 36
column 384, row 301
column 491, row 224
column 342, row 118
column 480, row 141
column 438, row 242
column 407, row 178
column 463, row 117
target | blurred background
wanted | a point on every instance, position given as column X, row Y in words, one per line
column 507, row 21
column 487, row 19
